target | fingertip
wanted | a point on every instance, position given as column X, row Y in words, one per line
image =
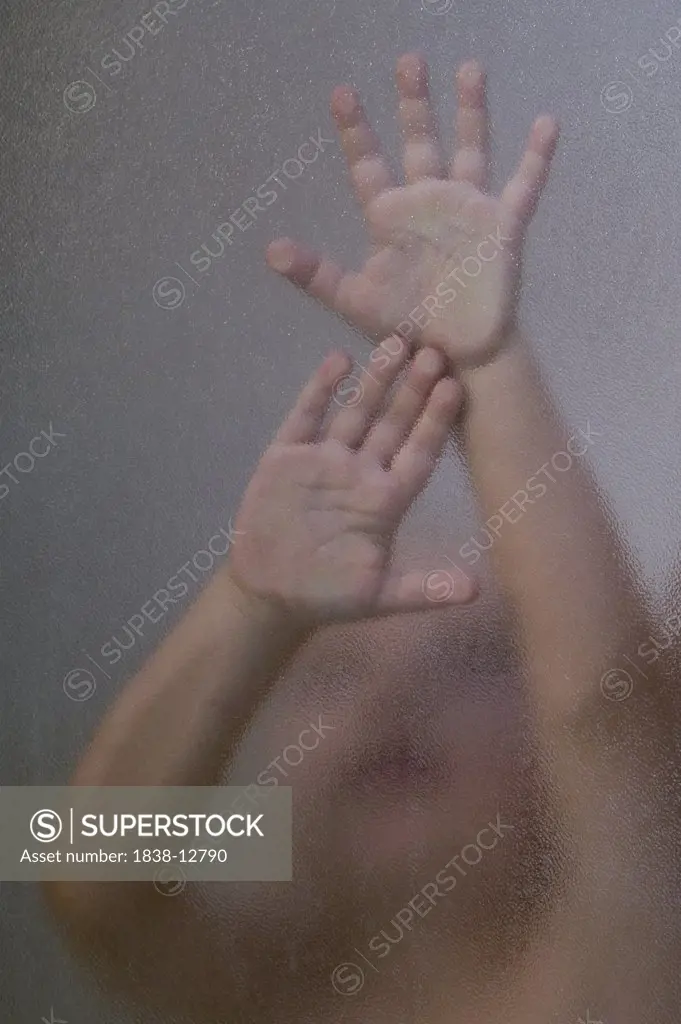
column 338, row 363
column 280, row 255
column 448, row 393
column 430, row 361
column 470, row 591
column 345, row 105
column 471, row 74
column 465, row 588
column 448, row 586
column 470, row 68
column 546, row 131
column 411, row 72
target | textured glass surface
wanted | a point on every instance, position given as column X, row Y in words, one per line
column 147, row 360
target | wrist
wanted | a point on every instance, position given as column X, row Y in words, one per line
column 512, row 355
column 268, row 614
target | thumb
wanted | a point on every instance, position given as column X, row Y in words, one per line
column 425, row 590
column 308, row 270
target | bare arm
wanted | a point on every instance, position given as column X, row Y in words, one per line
column 567, row 573
column 180, row 720
column 177, row 723
column 445, row 271
column 316, row 527
column 580, row 605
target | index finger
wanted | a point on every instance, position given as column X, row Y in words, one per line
column 369, row 170
column 303, row 423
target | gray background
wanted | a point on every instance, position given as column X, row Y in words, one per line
column 166, row 411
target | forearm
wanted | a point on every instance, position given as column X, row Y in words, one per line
column 179, row 720
column 177, row 723
column 556, row 553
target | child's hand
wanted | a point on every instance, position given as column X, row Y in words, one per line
column 319, row 516
column 445, row 251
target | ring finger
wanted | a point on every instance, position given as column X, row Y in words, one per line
column 471, row 158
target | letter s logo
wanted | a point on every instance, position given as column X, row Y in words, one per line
column 46, row 826
column 169, row 292
column 616, row 97
column 348, row 391
column 79, row 97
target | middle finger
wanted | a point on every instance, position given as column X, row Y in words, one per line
column 422, row 153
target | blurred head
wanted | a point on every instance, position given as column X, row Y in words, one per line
column 414, row 726
column 420, row 739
